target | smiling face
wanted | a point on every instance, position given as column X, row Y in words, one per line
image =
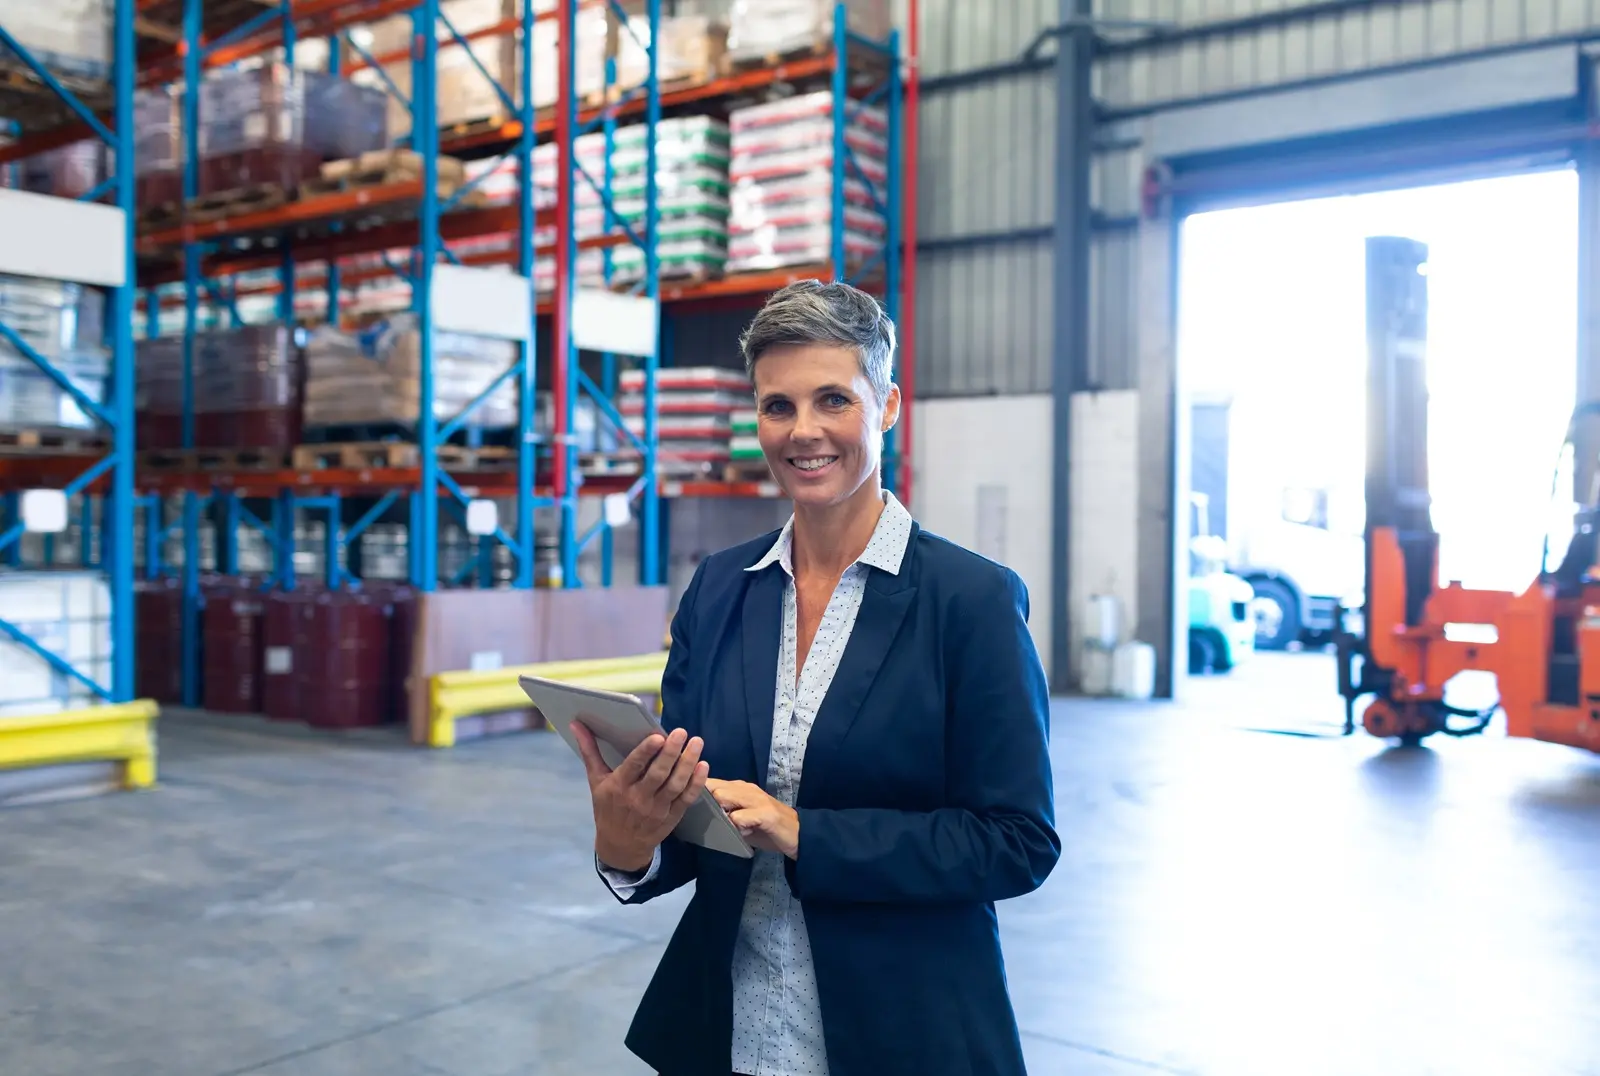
column 820, row 423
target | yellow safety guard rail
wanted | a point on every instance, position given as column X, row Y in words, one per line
column 454, row 695
column 123, row 732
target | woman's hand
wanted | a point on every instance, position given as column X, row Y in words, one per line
column 642, row 801
column 765, row 823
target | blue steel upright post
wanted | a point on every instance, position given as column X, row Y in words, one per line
column 527, row 386
column 893, row 250
column 118, row 511
column 650, row 571
column 569, row 378
column 115, row 414
column 564, row 381
column 425, row 142
column 886, row 201
column 193, row 39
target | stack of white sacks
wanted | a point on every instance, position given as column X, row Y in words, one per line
column 782, row 169
column 691, row 200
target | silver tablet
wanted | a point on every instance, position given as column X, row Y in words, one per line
column 620, row 723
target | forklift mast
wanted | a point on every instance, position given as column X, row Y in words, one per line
column 1397, row 413
column 1398, row 500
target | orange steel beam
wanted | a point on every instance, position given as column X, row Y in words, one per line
column 357, row 276
column 56, row 471
column 311, row 18
column 305, row 211
column 741, row 82
column 460, row 224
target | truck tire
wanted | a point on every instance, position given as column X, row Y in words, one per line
column 1205, row 653
column 1276, row 609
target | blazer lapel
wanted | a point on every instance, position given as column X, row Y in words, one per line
column 761, row 630
column 883, row 609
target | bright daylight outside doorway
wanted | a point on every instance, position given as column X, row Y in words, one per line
column 1272, row 346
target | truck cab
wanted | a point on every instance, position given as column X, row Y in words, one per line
column 1289, row 505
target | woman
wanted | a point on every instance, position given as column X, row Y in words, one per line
column 866, row 703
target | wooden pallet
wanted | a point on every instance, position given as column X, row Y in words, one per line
column 355, row 456
column 213, row 459
column 50, row 440
column 601, row 464
column 486, row 125
column 380, row 167
column 231, row 203
column 394, row 455
column 165, row 215
column 821, row 45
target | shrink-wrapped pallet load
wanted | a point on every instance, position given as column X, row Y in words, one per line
column 373, row 376
column 782, row 170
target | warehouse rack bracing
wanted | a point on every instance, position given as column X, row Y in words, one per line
column 598, row 128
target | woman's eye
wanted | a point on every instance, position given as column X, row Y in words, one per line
column 836, row 400
column 776, row 407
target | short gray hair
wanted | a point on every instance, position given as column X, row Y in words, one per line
column 811, row 312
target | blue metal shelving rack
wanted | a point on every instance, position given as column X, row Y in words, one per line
column 423, row 500
column 113, row 472
column 566, row 376
column 570, row 381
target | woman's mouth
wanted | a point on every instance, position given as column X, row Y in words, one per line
column 812, row 465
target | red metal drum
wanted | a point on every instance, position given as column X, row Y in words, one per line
column 402, row 602
column 158, row 620
column 281, row 672
column 232, row 638
column 345, row 644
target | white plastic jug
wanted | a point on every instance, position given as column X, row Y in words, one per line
column 1133, row 670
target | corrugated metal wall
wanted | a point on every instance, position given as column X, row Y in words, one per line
column 987, row 162
column 986, row 168
column 1223, row 46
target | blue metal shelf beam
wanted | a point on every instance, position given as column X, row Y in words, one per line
column 117, row 415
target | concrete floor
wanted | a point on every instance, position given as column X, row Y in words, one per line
column 1230, row 902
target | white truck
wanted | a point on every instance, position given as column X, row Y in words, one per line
column 1289, row 500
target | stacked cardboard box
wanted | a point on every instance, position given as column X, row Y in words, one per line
column 758, row 29
column 246, row 385
column 70, row 171
column 63, row 324
column 275, row 125
column 694, row 415
column 71, row 37
column 158, row 148
column 782, row 170
column 373, row 377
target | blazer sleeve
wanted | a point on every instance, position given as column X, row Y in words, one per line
column 996, row 836
column 676, row 863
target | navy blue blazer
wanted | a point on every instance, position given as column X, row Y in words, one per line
column 926, row 797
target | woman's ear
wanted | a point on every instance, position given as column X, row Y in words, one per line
column 891, row 408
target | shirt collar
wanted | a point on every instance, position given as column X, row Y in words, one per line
column 885, row 551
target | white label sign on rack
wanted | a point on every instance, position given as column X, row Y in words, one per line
column 60, row 239
column 483, row 302
column 619, row 324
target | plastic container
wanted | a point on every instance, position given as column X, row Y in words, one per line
column 247, row 389
column 1133, row 671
